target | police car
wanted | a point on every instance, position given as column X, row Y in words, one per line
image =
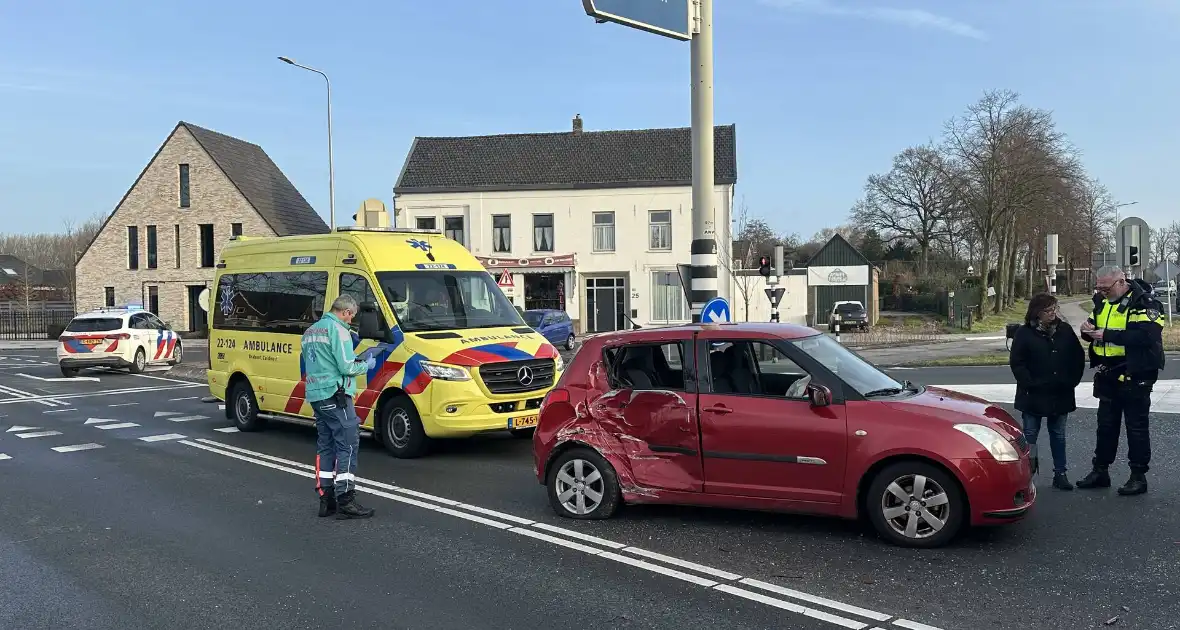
column 111, row 337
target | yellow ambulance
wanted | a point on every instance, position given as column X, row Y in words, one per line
column 454, row 358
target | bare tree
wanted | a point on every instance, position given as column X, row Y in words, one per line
column 755, row 238
column 912, row 201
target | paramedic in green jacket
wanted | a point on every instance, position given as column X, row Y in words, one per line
column 331, row 368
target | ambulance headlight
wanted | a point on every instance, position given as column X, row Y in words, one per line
column 558, row 363
column 444, row 372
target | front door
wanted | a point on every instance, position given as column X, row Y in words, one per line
column 760, row 435
column 197, row 317
column 605, row 301
column 653, row 410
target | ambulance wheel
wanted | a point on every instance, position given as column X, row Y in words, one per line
column 243, row 407
column 400, row 429
column 140, row 362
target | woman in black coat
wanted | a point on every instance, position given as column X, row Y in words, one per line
column 1048, row 362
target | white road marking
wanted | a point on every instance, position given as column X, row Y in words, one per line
column 58, row 410
column 164, row 414
column 185, row 398
column 59, row 379
column 1165, row 395
column 227, row 430
column 452, row 508
column 16, row 427
column 161, row 378
column 37, row 434
column 4, row 457
column 52, row 400
column 913, row 625
column 98, row 420
column 161, row 438
column 77, row 447
column 117, row 425
column 123, row 404
column 21, row 395
column 189, row 418
column 221, row 407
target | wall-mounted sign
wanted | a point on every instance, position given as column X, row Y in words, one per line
column 838, row 276
column 564, row 260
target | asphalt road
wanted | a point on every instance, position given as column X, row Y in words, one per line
column 218, row 528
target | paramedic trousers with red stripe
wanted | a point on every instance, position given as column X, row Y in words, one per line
column 337, row 444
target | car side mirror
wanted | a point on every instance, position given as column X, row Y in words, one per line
column 820, row 396
column 368, row 324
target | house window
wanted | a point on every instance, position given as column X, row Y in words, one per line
column 604, row 231
column 453, row 227
column 109, row 293
column 542, row 232
column 667, row 298
column 660, row 228
column 151, row 244
column 206, row 244
column 184, row 193
column 176, row 245
column 153, row 304
column 132, row 247
column 235, row 229
column 426, row 223
column 501, row 233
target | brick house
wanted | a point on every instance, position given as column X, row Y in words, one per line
column 159, row 246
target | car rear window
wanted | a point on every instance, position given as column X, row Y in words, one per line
column 95, row 324
column 849, row 308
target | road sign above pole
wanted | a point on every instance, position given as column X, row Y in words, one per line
column 670, row 18
column 716, row 311
column 775, row 294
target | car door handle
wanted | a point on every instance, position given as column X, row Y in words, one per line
column 721, row 409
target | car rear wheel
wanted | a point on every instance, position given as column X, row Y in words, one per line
column 140, row 362
column 68, row 372
column 176, row 355
column 915, row 504
column 582, row 485
column 400, row 429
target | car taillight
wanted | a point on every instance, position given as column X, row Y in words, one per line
column 120, row 336
column 556, row 396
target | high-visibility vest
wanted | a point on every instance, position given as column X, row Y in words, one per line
column 1110, row 319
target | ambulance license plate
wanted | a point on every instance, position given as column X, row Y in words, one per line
column 523, row 422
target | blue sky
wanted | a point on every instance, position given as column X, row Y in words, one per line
column 823, row 92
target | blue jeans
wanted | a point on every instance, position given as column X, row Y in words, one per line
column 1032, row 427
column 337, row 444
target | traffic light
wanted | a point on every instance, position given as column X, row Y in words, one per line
column 764, row 266
column 1133, row 256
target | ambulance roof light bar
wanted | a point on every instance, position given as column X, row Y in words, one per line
column 358, row 228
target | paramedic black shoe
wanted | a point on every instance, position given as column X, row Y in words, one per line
column 348, row 508
column 327, row 504
column 1098, row 478
column 1137, row 484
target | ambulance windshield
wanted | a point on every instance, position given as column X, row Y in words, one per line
column 447, row 300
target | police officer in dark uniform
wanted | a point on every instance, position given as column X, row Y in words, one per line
column 1126, row 348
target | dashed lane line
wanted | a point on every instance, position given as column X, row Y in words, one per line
column 227, row 430
column 117, row 425
column 77, row 447
column 37, row 434
column 718, row 579
column 4, row 457
column 164, row 437
column 128, row 404
column 59, row 410
column 185, row 398
column 55, row 400
column 189, row 418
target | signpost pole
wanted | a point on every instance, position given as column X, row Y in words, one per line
column 704, row 228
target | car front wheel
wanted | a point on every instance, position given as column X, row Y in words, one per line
column 915, row 504
column 582, row 485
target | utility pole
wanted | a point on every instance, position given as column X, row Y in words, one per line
column 703, row 256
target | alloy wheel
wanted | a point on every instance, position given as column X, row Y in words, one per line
column 579, row 486
column 915, row 506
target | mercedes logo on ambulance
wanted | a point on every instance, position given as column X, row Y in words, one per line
column 525, row 375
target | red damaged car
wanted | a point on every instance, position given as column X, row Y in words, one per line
column 774, row 417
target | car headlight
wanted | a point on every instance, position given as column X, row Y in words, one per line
column 444, row 372
column 992, row 440
column 558, row 363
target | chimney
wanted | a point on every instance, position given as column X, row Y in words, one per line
column 577, row 124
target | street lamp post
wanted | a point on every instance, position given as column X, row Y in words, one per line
column 331, row 169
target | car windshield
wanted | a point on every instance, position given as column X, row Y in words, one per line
column 447, row 300
column 859, row 374
column 533, row 318
column 94, row 324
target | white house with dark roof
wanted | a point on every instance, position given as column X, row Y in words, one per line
column 589, row 222
column 159, row 246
